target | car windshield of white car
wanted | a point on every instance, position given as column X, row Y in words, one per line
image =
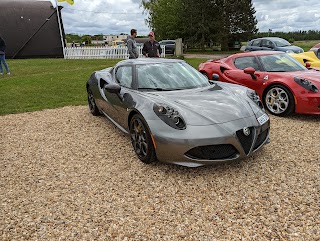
column 280, row 63
column 169, row 76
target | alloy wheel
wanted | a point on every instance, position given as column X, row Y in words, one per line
column 139, row 138
column 91, row 101
column 277, row 100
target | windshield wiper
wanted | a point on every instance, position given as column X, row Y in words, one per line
column 277, row 71
column 158, row 89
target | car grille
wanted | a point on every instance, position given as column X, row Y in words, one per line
column 261, row 138
column 246, row 141
column 214, row 152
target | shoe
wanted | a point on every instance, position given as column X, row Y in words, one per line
column 1, row 73
column 8, row 73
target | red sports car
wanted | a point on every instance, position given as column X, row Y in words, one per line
column 316, row 50
column 283, row 84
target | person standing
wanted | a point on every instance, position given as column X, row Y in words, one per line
column 3, row 57
column 132, row 45
column 151, row 48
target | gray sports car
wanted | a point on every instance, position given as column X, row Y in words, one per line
column 175, row 114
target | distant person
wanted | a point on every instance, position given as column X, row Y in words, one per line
column 132, row 45
column 152, row 48
column 73, row 44
column 3, row 57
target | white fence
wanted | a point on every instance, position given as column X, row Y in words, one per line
column 101, row 52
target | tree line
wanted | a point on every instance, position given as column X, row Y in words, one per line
column 291, row 36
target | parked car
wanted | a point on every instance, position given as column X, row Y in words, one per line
column 316, row 50
column 308, row 59
column 272, row 44
column 283, row 84
column 170, row 46
column 174, row 114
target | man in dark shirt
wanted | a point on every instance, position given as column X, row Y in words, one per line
column 151, row 48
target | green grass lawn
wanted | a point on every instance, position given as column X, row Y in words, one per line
column 307, row 44
column 36, row 84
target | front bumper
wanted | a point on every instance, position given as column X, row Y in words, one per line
column 308, row 103
column 221, row 142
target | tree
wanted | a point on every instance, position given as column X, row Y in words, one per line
column 201, row 21
column 164, row 17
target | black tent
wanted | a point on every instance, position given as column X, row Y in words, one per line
column 30, row 29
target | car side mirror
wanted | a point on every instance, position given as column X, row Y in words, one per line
column 113, row 88
column 250, row 71
column 215, row 77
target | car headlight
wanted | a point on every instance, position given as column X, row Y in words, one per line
column 306, row 84
column 170, row 116
column 255, row 98
column 289, row 51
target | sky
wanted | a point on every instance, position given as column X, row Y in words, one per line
column 119, row 16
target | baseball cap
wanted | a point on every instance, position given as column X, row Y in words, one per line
column 151, row 34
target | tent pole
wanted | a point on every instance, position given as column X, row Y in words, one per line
column 32, row 36
column 60, row 29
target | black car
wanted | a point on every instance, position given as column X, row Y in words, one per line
column 170, row 45
column 272, row 44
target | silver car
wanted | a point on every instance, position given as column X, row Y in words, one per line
column 175, row 114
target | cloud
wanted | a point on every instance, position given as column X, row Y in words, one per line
column 103, row 16
column 287, row 15
column 119, row 16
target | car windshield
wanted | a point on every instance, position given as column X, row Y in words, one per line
column 281, row 43
column 169, row 76
column 280, row 63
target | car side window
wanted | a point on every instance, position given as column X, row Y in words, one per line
column 255, row 43
column 266, row 43
column 245, row 62
column 124, row 76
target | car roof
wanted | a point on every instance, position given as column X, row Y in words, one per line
column 316, row 46
column 268, row 38
column 255, row 53
column 164, row 40
column 148, row 61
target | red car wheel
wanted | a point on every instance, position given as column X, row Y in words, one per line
column 279, row 100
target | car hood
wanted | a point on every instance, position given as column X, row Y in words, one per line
column 205, row 106
column 295, row 49
column 312, row 75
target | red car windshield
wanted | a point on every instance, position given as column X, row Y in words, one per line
column 280, row 63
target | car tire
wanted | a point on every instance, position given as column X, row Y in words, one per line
column 141, row 139
column 279, row 100
column 92, row 104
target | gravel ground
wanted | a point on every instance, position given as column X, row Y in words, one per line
column 66, row 175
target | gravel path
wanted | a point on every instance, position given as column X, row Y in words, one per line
column 66, row 175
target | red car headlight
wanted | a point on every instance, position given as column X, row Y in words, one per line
column 306, row 84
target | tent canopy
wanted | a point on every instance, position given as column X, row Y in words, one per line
column 30, row 29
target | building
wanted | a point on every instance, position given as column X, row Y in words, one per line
column 97, row 42
column 108, row 39
column 30, row 29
